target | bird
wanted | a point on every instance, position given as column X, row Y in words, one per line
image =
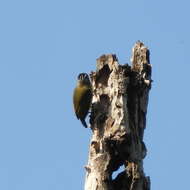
column 82, row 97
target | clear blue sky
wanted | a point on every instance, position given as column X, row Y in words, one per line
column 43, row 47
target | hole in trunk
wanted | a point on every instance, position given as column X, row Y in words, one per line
column 103, row 75
column 115, row 173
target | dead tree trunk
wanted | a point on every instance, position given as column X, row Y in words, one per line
column 118, row 120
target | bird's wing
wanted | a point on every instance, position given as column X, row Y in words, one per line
column 82, row 99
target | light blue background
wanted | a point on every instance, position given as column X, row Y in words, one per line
column 43, row 47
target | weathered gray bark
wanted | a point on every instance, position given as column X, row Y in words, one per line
column 118, row 120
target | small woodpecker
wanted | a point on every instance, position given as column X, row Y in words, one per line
column 82, row 97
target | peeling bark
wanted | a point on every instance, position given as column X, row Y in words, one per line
column 118, row 120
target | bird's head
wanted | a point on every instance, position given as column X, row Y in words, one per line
column 83, row 79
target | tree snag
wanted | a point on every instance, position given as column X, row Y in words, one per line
column 118, row 120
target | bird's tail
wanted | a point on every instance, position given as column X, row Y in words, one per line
column 84, row 123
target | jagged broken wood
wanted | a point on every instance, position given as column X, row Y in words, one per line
column 118, row 120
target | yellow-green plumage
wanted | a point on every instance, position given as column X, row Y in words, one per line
column 82, row 98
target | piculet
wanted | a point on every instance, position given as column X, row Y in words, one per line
column 82, row 97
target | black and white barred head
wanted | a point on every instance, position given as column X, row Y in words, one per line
column 83, row 78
